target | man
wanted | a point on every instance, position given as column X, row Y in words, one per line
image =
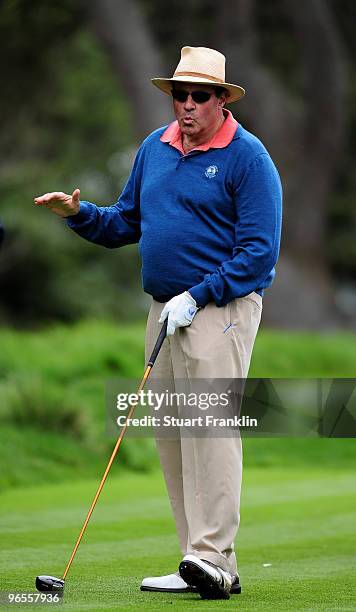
column 204, row 202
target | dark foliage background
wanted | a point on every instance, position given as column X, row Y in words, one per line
column 68, row 120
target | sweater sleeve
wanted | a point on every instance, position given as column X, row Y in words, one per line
column 258, row 198
column 117, row 225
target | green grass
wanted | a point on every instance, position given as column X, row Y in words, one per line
column 301, row 521
column 71, row 354
column 63, row 371
column 52, row 385
column 291, row 354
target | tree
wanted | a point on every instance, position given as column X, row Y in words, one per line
column 122, row 29
column 306, row 136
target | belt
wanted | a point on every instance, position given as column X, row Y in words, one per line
column 165, row 298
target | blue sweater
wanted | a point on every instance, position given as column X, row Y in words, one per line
column 208, row 222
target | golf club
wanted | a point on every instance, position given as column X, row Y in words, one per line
column 51, row 583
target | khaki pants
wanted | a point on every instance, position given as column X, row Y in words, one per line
column 203, row 475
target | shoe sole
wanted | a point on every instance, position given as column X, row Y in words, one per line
column 235, row 590
column 208, row 588
column 158, row 590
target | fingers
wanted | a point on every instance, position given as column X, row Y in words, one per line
column 164, row 315
column 48, row 198
column 170, row 327
column 76, row 195
column 171, row 324
column 41, row 199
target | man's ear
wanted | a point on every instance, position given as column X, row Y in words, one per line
column 222, row 101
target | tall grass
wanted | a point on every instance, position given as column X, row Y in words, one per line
column 30, row 401
column 52, row 397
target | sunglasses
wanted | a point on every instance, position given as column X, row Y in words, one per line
column 198, row 96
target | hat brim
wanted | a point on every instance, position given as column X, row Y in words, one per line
column 235, row 92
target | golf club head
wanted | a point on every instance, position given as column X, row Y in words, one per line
column 50, row 584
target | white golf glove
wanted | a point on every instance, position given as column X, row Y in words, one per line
column 180, row 311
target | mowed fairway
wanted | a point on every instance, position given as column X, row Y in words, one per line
column 301, row 521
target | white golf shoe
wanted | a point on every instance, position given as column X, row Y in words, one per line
column 172, row 583
column 211, row 581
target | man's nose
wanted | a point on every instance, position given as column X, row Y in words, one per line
column 189, row 103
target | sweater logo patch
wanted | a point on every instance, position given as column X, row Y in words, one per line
column 211, row 171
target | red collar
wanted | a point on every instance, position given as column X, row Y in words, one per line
column 221, row 138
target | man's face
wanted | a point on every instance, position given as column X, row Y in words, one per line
column 194, row 118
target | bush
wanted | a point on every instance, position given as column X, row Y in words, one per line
column 30, row 401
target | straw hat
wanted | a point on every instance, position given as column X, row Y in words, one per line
column 202, row 66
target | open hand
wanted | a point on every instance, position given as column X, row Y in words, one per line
column 60, row 203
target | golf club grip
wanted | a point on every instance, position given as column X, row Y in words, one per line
column 159, row 343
